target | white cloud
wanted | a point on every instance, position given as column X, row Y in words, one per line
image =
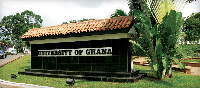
column 190, row 8
column 54, row 12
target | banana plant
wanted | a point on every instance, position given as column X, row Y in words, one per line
column 160, row 41
column 158, row 37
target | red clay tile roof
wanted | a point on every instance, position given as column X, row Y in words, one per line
column 86, row 26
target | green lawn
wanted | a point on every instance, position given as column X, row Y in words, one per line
column 179, row 80
column 198, row 60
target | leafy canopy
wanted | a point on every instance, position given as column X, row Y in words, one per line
column 192, row 27
column 118, row 13
column 14, row 26
column 75, row 21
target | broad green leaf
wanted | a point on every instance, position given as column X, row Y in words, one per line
column 155, row 66
column 182, row 51
column 180, row 65
column 163, row 75
column 165, row 62
column 155, row 62
column 170, row 69
column 159, row 52
column 137, row 48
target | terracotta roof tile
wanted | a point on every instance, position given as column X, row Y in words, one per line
column 80, row 27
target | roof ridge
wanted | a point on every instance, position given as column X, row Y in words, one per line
column 98, row 19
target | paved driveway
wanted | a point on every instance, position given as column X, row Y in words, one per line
column 9, row 58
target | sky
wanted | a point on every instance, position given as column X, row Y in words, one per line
column 55, row 12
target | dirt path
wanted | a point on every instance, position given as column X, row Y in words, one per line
column 194, row 70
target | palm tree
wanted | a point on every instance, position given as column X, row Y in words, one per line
column 159, row 8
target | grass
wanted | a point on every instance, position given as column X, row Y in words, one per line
column 179, row 80
column 198, row 60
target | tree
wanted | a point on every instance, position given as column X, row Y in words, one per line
column 14, row 26
column 72, row 21
column 191, row 31
column 118, row 13
column 64, row 23
column 85, row 20
column 75, row 21
column 5, row 41
column 6, row 25
column 192, row 27
column 32, row 20
column 158, row 26
column 136, row 5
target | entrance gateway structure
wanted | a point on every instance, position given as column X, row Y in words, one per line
column 92, row 50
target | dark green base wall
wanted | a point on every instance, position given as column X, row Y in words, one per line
column 120, row 61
